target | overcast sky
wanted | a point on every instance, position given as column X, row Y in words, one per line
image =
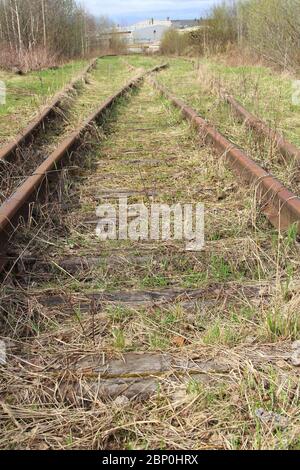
column 128, row 11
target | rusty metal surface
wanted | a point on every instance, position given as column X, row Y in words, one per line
column 7, row 151
column 280, row 205
column 29, row 191
column 287, row 149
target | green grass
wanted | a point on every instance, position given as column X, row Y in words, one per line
column 119, row 338
column 25, row 94
column 155, row 281
column 118, row 314
column 158, row 341
column 219, row 334
column 145, row 62
column 226, row 326
column 264, row 92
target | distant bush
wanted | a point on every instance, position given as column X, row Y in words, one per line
column 270, row 28
column 40, row 33
column 213, row 36
column 117, row 45
column 217, row 31
column 35, row 59
column 174, row 42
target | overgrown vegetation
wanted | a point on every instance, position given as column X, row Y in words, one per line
column 25, row 95
column 62, row 343
column 174, row 42
column 266, row 93
column 269, row 28
column 41, row 33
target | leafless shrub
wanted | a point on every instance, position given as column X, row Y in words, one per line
column 35, row 33
column 174, row 43
column 34, row 59
column 269, row 29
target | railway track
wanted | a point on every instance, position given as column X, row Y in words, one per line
column 281, row 206
column 20, row 156
column 207, row 94
column 19, row 203
column 62, row 116
column 142, row 344
column 8, row 151
column 288, row 150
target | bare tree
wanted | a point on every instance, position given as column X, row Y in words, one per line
column 271, row 28
column 48, row 27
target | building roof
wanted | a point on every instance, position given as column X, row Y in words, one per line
column 151, row 22
column 182, row 24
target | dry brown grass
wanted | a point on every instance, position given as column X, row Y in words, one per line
column 27, row 61
column 56, row 333
column 266, row 96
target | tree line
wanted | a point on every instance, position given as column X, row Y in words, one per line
column 45, row 31
column 270, row 28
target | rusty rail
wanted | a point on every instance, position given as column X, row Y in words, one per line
column 286, row 148
column 19, row 203
column 280, row 205
column 8, row 150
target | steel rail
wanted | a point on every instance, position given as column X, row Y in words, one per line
column 20, row 202
column 8, row 150
column 280, row 205
column 288, row 150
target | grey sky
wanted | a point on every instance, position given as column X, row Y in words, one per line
column 126, row 11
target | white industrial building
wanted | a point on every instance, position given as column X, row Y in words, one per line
column 148, row 34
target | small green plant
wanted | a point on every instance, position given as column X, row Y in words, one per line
column 238, row 315
column 292, row 234
column 158, row 341
column 280, row 325
column 119, row 313
column 78, row 314
column 155, row 281
column 193, row 387
column 169, row 318
column 289, row 277
column 221, row 270
column 119, row 338
column 35, row 327
column 216, row 236
column 213, row 334
column 218, row 334
column 195, row 279
column 235, row 442
column 69, row 439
